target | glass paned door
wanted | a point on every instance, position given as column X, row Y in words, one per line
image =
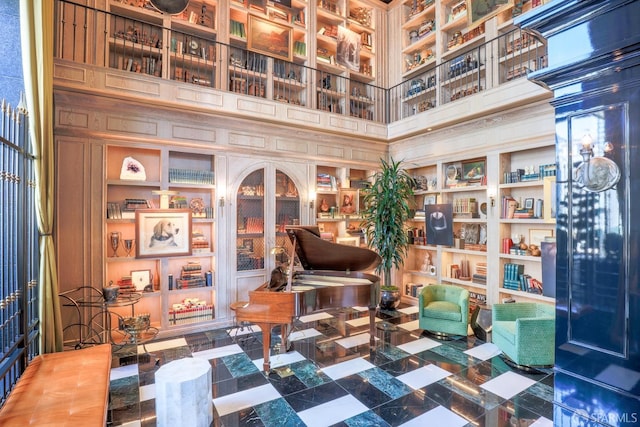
column 287, row 213
column 267, row 203
column 250, row 242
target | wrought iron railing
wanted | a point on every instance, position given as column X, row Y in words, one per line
column 501, row 60
column 141, row 44
column 19, row 249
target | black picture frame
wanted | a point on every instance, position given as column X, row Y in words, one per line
column 528, row 203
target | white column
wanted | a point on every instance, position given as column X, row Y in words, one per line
column 183, row 393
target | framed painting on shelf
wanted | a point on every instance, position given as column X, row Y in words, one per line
column 349, row 201
column 537, row 236
column 163, row 232
column 269, row 38
column 479, row 11
column 473, row 171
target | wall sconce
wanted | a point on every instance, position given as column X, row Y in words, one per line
column 597, row 173
column 221, row 202
column 491, row 194
column 312, row 200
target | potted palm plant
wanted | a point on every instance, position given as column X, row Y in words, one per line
column 387, row 207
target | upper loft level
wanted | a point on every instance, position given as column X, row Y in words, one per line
column 243, row 67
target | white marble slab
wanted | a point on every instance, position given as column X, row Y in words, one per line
column 245, row 399
column 423, row 376
column 508, row 384
column 484, row 352
column 349, row 367
column 332, row 412
column 215, row 353
column 304, row 334
column 419, row 345
column 438, row 416
column 315, row 317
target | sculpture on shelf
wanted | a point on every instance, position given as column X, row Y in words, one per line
column 132, row 170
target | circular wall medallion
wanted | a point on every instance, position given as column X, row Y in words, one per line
column 598, row 174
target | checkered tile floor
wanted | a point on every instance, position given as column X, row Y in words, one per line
column 331, row 377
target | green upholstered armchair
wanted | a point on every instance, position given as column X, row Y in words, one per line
column 525, row 332
column 444, row 309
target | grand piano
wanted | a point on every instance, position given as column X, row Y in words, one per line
column 332, row 277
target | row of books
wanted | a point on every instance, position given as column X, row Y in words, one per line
column 512, row 273
column 299, row 48
column 413, row 289
column 193, row 314
column 147, row 65
column 465, row 208
column 477, row 298
column 529, row 174
column 127, row 210
column 238, row 30
column 191, row 176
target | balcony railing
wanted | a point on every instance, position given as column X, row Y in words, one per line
column 140, row 43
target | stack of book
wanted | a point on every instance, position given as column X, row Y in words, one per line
column 191, row 276
column 477, row 299
column 199, row 242
column 329, row 31
column 130, row 206
column 480, row 276
column 512, row 273
column 126, row 285
column 326, row 182
column 523, row 213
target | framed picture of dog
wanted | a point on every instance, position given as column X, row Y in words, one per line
column 163, row 232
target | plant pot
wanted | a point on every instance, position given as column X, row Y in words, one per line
column 389, row 300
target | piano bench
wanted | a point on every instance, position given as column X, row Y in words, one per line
column 236, row 328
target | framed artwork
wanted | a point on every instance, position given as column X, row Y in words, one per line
column 528, row 203
column 549, row 203
column 537, row 236
column 430, row 199
column 348, row 48
column 439, row 222
column 163, row 232
column 349, row 200
column 141, row 279
column 479, row 11
column 269, row 38
column 473, row 171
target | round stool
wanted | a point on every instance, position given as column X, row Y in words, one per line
column 236, row 328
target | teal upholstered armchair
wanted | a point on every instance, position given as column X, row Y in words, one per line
column 525, row 332
column 444, row 309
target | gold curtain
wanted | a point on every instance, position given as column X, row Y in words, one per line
column 36, row 30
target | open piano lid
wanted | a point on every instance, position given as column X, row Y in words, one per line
column 315, row 253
